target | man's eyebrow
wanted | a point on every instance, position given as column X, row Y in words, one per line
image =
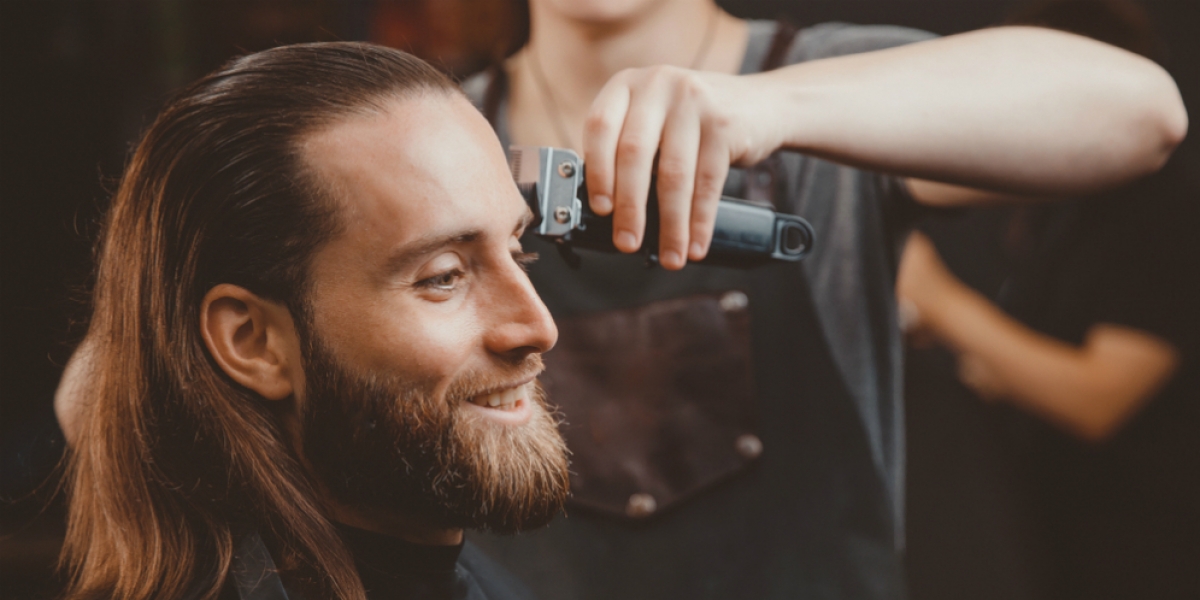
column 403, row 257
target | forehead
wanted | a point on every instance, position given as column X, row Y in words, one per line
column 423, row 163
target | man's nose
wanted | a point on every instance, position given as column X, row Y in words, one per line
column 522, row 324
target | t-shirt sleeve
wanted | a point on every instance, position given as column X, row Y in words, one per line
column 839, row 39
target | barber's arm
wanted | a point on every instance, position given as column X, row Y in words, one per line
column 1018, row 111
column 1090, row 390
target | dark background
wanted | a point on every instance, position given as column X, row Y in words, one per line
column 80, row 79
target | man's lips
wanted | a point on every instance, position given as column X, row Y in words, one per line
column 511, row 405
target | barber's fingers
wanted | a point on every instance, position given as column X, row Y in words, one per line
column 712, row 167
column 676, row 175
column 680, row 116
column 634, row 161
column 602, row 130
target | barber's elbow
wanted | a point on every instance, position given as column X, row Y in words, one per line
column 1163, row 119
column 1095, row 428
column 1172, row 126
column 1102, row 412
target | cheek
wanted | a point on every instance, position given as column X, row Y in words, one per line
column 428, row 341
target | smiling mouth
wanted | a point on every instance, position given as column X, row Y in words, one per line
column 508, row 399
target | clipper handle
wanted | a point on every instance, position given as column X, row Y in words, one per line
column 745, row 235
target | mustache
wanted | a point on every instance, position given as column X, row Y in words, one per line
column 481, row 382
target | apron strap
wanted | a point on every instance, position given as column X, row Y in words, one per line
column 785, row 35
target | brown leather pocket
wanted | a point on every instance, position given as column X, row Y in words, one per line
column 658, row 400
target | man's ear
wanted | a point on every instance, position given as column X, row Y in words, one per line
column 252, row 339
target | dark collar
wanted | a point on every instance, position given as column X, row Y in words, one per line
column 390, row 556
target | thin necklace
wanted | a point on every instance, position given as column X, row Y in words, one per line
column 544, row 90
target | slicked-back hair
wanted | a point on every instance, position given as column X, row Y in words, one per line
column 174, row 460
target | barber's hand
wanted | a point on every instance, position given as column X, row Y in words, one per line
column 696, row 124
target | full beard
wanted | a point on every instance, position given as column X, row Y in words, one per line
column 389, row 445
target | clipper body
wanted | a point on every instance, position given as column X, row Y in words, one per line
column 552, row 182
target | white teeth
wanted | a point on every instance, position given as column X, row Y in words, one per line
column 504, row 398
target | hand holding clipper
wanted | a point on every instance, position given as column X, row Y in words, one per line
column 552, row 183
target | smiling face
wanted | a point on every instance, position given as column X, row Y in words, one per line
column 423, row 332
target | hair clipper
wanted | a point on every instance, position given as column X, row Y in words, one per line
column 552, row 183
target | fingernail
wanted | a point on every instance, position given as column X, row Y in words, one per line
column 697, row 250
column 671, row 258
column 601, row 203
column 627, row 241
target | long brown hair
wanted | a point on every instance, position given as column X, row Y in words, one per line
column 173, row 458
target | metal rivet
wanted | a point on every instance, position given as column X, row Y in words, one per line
column 749, row 446
column 562, row 214
column 641, row 506
column 734, row 300
column 566, row 169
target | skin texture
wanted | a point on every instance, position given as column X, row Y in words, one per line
column 1089, row 390
column 1010, row 112
column 424, row 281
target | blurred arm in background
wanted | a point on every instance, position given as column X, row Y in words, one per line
column 1090, row 390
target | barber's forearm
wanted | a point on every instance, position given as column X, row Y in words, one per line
column 1019, row 109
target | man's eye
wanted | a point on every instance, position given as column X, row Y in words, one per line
column 441, row 281
column 525, row 259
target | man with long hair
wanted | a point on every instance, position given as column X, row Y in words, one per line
column 315, row 345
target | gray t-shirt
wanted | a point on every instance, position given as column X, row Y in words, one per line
column 821, row 515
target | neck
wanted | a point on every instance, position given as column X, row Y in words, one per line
column 577, row 56
column 405, row 528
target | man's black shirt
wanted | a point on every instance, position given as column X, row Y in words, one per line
column 390, row 569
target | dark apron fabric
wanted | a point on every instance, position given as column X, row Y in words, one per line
column 810, row 511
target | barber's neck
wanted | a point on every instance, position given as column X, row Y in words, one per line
column 578, row 57
column 400, row 526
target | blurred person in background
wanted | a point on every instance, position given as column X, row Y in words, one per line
column 313, row 349
column 1097, row 335
column 740, row 434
